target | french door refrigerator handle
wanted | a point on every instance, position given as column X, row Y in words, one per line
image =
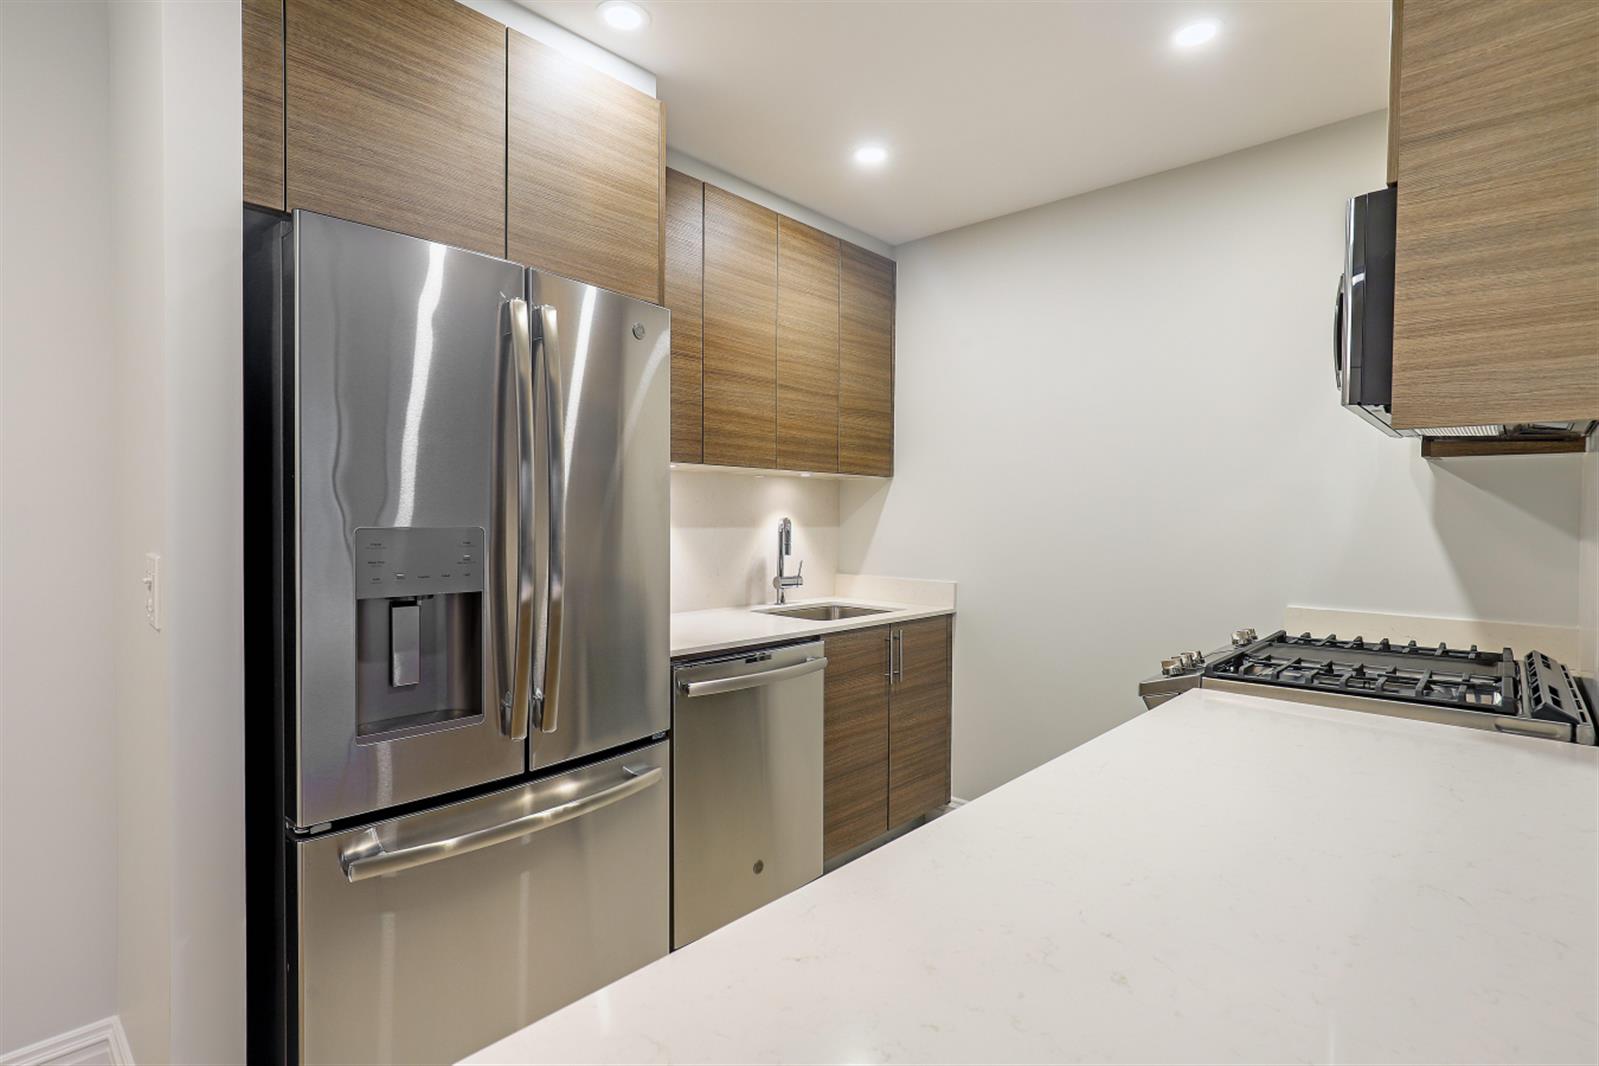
column 511, row 616
column 365, row 858
column 554, row 473
column 742, row 681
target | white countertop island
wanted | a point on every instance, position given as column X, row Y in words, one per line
column 1223, row 879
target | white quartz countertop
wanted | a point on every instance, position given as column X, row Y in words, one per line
column 1225, row 878
column 725, row 628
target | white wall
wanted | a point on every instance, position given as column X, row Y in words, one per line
column 1117, row 430
column 121, row 886
column 144, row 778
column 57, row 830
column 203, row 262
column 724, row 536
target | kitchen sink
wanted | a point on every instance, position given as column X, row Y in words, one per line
column 823, row 612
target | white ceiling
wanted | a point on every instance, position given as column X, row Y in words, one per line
column 986, row 107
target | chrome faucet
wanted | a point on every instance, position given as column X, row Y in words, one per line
column 785, row 545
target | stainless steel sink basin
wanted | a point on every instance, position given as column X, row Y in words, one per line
column 824, row 612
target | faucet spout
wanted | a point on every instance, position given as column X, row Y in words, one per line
column 785, row 546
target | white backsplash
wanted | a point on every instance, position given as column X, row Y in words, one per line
column 724, row 536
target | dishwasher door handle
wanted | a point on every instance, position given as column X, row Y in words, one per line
column 743, row 681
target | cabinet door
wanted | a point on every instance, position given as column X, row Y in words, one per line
column 583, row 161
column 807, row 348
column 919, row 721
column 866, row 362
column 1496, row 291
column 855, row 740
column 261, row 23
column 395, row 117
column 685, row 292
column 740, row 331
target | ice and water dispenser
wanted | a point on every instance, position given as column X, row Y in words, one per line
column 419, row 639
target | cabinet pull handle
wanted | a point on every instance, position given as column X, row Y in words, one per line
column 888, row 647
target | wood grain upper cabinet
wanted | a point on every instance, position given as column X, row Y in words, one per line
column 685, row 293
column 740, row 331
column 1496, row 289
column 584, row 169
column 807, row 347
column 262, row 44
column 919, row 721
column 783, row 339
column 855, row 740
column 866, row 362
column 395, row 116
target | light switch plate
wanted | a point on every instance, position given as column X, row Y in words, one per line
column 152, row 589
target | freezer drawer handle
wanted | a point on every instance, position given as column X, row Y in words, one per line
column 364, row 857
column 743, row 681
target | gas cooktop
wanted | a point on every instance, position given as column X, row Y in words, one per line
column 1530, row 695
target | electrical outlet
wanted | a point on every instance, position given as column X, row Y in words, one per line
column 152, row 589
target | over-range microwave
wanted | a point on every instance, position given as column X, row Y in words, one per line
column 1363, row 328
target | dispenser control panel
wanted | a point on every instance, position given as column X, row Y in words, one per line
column 411, row 561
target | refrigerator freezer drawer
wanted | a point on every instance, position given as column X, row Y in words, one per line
column 427, row 937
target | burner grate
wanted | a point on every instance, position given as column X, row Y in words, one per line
column 1467, row 679
column 1409, row 649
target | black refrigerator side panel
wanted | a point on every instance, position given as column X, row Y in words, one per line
column 268, row 651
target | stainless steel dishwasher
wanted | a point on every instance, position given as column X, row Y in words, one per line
column 746, row 783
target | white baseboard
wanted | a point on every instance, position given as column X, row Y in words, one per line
column 101, row 1043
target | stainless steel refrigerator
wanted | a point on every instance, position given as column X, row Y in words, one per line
column 456, row 568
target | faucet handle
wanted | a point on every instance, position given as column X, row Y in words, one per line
column 801, row 571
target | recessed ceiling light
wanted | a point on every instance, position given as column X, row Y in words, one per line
column 1196, row 33
column 871, row 155
column 621, row 15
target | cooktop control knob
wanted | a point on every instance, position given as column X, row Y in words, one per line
column 1242, row 637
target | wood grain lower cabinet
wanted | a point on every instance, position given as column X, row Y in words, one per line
column 1496, row 288
column 583, row 172
column 685, row 297
column 855, row 740
column 807, row 347
column 886, row 739
column 261, row 25
column 866, row 363
column 740, row 331
column 395, row 117
column 919, row 721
